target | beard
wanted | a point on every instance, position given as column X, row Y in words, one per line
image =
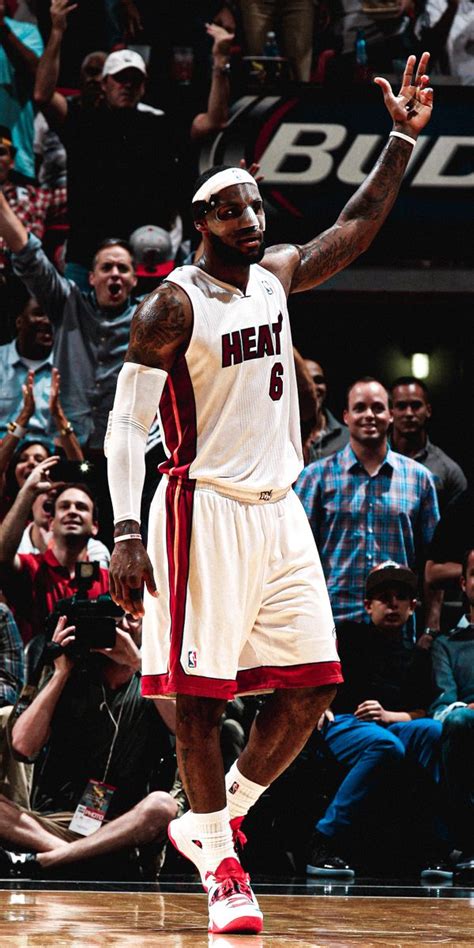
column 234, row 257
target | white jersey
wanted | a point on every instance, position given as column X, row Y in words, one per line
column 229, row 410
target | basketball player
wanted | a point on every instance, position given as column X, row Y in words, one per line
column 240, row 603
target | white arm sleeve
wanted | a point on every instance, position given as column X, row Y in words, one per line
column 137, row 397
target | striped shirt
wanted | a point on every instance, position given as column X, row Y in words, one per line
column 360, row 520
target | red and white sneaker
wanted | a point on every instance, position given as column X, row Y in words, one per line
column 232, row 904
column 181, row 836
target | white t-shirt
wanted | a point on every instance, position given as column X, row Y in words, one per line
column 460, row 41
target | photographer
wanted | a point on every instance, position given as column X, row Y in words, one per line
column 35, row 581
column 105, row 746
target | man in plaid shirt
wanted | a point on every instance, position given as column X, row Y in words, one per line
column 366, row 504
column 12, row 672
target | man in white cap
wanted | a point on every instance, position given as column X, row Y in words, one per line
column 120, row 152
column 240, row 604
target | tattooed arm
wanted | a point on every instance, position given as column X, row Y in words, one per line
column 300, row 268
column 160, row 329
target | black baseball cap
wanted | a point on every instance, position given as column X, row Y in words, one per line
column 388, row 573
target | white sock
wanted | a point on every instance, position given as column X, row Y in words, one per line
column 215, row 834
column 242, row 793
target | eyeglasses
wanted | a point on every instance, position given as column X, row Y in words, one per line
column 319, row 379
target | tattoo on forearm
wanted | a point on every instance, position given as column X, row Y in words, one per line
column 358, row 222
column 375, row 197
column 159, row 322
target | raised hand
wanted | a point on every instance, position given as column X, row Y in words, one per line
column 28, row 407
column 59, row 11
column 411, row 109
column 222, row 39
column 55, row 407
column 133, row 21
column 38, row 482
column 253, row 169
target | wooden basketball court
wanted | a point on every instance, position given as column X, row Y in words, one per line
column 66, row 918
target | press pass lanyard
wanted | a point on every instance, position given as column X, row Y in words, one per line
column 116, row 723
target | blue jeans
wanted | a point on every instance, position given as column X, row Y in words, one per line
column 374, row 753
column 457, row 762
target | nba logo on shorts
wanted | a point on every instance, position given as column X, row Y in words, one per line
column 192, row 659
column 235, row 786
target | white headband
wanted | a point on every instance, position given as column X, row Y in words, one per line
column 223, row 179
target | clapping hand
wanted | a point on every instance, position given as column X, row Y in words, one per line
column 28, row 407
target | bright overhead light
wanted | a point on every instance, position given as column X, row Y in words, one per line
column 420, row 365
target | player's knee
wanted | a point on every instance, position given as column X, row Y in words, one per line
column 197, row 718
column 318, row 699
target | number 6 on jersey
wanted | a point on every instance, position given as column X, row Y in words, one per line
column 276, row 382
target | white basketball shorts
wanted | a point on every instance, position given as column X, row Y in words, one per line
column 243, row 605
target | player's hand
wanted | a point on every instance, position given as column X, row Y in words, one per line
column 130, row 569
column 411, row 109
column 372, row 711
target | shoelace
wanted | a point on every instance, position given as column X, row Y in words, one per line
column 235, row 891
column 239, row 837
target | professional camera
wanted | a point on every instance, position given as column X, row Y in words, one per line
column 94, row 619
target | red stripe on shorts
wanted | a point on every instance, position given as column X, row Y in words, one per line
column 179, row 518
column 250, row 681
column 312, row 675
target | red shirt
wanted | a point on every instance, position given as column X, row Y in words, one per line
column 33, row 592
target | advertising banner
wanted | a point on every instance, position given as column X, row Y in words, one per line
column 315, row 146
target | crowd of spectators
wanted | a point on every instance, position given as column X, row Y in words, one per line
column 92, row 151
